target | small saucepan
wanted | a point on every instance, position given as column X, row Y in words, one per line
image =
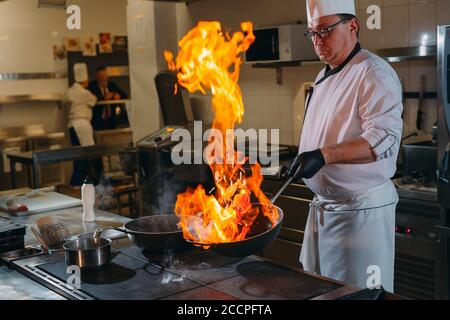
column 88, row 253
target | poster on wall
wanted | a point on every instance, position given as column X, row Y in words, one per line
column 120, row 43
column 72, row 44
column 105, row 43
column 59, row 52
column 89, row 48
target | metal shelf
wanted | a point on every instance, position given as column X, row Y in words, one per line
column 408, row 53
column 278, row 66
column 57, row 97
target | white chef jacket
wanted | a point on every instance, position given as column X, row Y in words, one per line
column 364, row 99
column 82, row 101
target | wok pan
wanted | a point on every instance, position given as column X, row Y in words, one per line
column 262, row 234
column 160, row 233
column 156, row 234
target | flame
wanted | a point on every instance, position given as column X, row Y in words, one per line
column 210, row 60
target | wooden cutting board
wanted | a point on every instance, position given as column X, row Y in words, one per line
column 49, row 201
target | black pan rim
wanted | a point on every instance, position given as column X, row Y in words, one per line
column 280, row 221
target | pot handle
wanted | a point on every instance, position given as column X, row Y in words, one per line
column 98, row 232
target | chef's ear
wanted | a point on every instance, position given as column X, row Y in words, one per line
column 354, row 26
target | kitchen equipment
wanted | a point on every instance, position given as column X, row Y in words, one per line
column 39, row 238
column 159, row 180
column 420, row 112
column 262, row 234
column 11, row 235
column 49, row 201
column 444, row 179
column 54, row 234
column 26, row 252
column 281, row 190
column 420, row 159
column 417, row 246
column 156, row 234
column 198, row 275
column 281, row 43
column 88, row 253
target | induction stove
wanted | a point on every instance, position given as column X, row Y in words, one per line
column 193, row 275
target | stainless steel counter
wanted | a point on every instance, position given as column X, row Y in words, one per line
column 15, row 286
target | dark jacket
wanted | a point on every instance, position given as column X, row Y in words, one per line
column 98, row 123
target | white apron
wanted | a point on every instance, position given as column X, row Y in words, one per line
column 348, row 237
column 84, row 131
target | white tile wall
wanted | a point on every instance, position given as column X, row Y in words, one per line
column 268, row 105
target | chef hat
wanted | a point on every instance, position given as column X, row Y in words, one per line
column 80, row 72
column 321, row 8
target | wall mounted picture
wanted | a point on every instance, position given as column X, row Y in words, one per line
column 59, row 52
column 89, row 47
column 105, row 43
column 72, row 44
column 120, row 43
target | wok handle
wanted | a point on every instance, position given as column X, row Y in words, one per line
column 123, row 230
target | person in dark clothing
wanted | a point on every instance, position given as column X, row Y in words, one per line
column 105, row 116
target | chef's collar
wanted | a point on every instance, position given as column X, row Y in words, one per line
column 329, row 72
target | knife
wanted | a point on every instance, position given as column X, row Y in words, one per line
column 420, row 112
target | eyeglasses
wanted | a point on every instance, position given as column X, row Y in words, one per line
column 324, row 33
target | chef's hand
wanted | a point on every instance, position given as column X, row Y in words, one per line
column 109, row 96
column 282, row 173
column 306, row 165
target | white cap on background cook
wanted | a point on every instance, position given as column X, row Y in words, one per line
column 322, row 8
column 80, row 72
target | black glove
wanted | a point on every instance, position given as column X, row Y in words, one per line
column 282, row 173
column 306, row 165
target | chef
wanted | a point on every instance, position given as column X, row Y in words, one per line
column 80, row 129
column 347, row 154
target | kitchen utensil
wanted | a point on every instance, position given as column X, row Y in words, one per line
column 420, row 112
column 32, row 193
column 262, row 234
column 281, row 190
column 11, row 235
column 88, row 253
column 48, row 201
column 39, row 238
column 26, row 252
column 44, row 220
column 55, row 234
column 155, row 234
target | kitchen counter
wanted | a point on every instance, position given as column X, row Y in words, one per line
column 14, row 285
column 195, row 274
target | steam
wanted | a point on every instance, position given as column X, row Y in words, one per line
column 104, row 195
column 173, row 263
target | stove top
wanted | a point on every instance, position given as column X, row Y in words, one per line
column 193, row 275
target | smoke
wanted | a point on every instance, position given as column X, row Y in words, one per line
column 104, row 194
column 180, row 268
